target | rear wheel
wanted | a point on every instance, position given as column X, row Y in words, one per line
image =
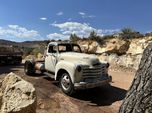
column 66, row 84
column 29, row 68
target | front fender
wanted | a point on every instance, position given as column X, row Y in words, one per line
column 68, row 66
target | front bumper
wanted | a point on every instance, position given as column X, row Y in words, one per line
column 87, row 85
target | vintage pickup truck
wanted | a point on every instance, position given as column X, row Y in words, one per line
column 73, row 69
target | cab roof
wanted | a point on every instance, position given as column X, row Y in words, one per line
column 57, row 43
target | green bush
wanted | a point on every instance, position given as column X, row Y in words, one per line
column 74, row 38
column 93, row 36
column 128, row 33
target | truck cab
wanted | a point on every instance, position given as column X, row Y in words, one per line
column 54, row 51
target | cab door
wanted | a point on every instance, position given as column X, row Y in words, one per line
column 51, row 58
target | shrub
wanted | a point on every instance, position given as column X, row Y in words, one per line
column 128, row 33
column 74, row 38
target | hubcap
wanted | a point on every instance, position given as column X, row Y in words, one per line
column 65, row 82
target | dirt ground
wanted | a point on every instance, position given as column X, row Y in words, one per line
column 52, row 100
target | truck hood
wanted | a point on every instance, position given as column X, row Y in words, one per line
column 79, row 58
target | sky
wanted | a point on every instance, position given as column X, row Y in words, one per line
column 27, row 20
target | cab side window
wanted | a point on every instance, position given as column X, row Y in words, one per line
column 52, row 49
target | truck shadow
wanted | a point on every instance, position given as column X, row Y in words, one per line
column 101, row 96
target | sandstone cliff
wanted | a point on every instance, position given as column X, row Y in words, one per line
column 117, row 51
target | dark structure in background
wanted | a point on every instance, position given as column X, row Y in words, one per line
column 10, row 55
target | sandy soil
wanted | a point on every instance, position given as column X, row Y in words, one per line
column 99, row 100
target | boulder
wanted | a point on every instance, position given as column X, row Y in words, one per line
column 130, row 61
column 114, row 46
column 117, row 46
column 17, row 95
column 137, row 46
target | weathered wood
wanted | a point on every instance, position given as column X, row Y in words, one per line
column 139, row 96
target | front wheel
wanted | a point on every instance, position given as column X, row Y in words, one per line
column 66, row 84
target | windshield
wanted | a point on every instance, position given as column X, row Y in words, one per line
column 69, row 48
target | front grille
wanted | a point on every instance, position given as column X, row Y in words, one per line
column 95, row 71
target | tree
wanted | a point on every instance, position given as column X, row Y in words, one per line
column 128, row 33
column 93, row 36
column 26, row 50
column 35, row 51
column 74, row 38
column 139, row 96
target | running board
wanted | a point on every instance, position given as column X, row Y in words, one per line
column 49, row 74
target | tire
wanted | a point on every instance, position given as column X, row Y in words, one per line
column 66, row 84
column 29, row 68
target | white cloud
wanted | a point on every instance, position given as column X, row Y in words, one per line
column 57, row 36
column 84, row 15
column 43, row 18
column 19, row 32
column 68, row 28
column 59, row 13
column 107, row 31
column 80, row 29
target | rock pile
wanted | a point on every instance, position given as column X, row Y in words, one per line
column 129, row 61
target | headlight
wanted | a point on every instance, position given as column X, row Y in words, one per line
column 79, row 68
